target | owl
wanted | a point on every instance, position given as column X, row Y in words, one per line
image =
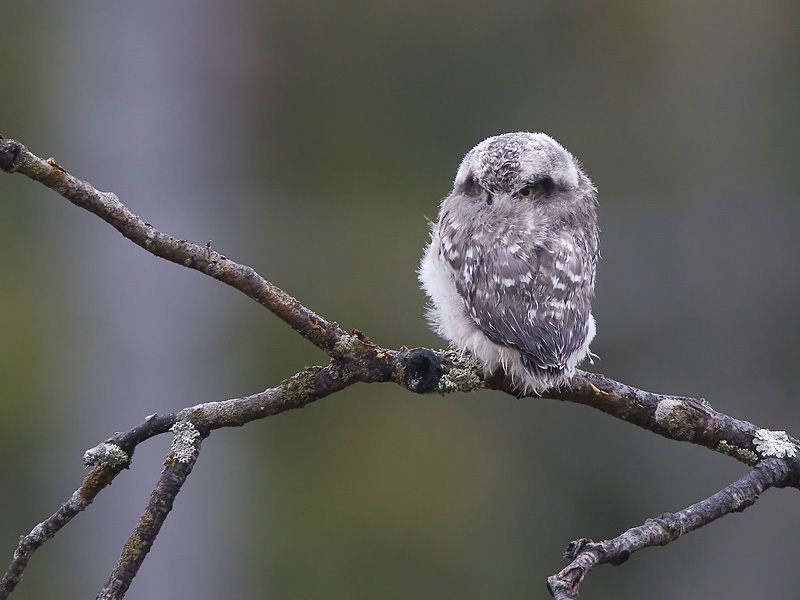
column 510, row 267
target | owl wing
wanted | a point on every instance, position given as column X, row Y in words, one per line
column 534, row 299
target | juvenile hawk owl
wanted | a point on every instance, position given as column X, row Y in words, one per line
column 511, row 263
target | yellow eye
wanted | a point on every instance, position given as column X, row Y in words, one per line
column 526, row 192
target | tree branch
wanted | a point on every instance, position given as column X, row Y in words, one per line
column 326, row 335
column 585, row 554
column 179, row 463
column 674, row 417
column 354, row 358
column 110, row 457
column 99, row 477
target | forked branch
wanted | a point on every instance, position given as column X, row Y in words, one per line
column 354, row 358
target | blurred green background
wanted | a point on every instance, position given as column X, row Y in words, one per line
column 311, row 140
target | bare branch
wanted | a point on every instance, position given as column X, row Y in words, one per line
column 413, row 368
column 660, row 531
column 675, row 417
column 99, row 477
column 177, row 467
column 326, row 335
column 354, row 358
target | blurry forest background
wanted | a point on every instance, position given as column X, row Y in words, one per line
column 310, row 140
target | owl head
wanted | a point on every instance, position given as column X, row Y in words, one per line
column 517, row 163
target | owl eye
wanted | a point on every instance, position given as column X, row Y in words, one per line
column 543, row 187
column 472, row 187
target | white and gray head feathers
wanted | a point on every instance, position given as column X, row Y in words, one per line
column 511, row 265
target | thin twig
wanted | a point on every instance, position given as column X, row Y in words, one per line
column 180, row 461
column 327, row 335
column 660, row 531
column 99, row 477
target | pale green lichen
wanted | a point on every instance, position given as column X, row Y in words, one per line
column 742, row 454
column 185, row 434
column 213, row 269
column 774, row 443
column 106, row 454
column 299, row 389
column 464, row 376
column 676, row 417
column 345, row 345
